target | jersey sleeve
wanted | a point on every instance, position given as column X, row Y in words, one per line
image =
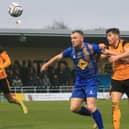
column 67, row 52
column 126, row 46
column 96, row 48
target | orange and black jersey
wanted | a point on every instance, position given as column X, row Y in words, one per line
column 4, row 63
column 120, row 68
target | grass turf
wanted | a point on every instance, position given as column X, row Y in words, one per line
column 56, row 115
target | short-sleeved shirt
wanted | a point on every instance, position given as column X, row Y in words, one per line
column 120, row 68
column 84, row 62
column 3, row 56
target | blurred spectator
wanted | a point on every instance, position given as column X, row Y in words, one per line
column 27, row 73
column 64, row 73
column 44, row 79
column 17, row 81
column 53, row 76
column 24, row 73
column 31, row 74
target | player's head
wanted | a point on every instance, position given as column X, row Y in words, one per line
column 113, row 35
column 77, row 38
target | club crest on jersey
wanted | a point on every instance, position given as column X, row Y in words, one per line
column 82, row 64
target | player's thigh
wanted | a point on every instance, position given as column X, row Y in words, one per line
column 5, row 86
column 116, row 96
column 91, row 103
column 91, row 96
column 78, row 96
column 117, row 90
column 75, row 104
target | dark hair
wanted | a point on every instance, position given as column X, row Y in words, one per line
column 113, row 30
column 78, row 31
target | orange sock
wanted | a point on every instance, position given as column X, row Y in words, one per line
column 116, row 114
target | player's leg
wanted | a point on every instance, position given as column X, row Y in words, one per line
column 77, row 99
column 91, row 94
column 116, row 94
column 77, row 108
column 92, row 107
column 11, row 99
column 94, row 123
column 75, row 104
column 116, row 113
column 5, row 87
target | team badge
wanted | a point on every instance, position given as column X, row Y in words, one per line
column 82, row 64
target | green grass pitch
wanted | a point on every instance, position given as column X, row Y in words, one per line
column 56, row 115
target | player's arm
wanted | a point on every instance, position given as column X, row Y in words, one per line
column 65, row 53
column 6, row 59
column 106, row 53
column 51, row 61
column 99, row 49
column 123, row 56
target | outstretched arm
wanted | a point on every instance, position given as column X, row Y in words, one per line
column 51, row 61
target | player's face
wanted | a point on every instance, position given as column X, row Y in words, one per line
column 76, row 39
column 112, row 38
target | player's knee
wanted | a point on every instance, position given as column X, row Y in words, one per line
column 91, row 107
column 74, row 109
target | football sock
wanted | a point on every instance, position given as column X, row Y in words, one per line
column 98, row 119
column 84, row 111
column 116, row 114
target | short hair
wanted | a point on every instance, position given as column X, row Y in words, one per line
column 113, row 30
column 78, row 31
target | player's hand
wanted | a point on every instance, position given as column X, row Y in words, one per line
column 102, row 46
column 105, row 51
column 113, row 58
column 44, row 67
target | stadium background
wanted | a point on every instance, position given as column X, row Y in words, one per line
column 29, row 48
column 32, row 48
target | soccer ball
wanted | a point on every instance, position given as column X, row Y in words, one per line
column 15, row 10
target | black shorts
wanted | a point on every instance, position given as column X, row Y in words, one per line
column 120, row 86
column 4, row 86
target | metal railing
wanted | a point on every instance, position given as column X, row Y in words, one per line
column 48, row 89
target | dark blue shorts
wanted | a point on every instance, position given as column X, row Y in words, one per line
column 84, row 91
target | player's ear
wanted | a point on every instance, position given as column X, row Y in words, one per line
column 82, row 39
column 117, row 37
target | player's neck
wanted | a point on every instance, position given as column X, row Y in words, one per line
column 116, row 44
column 81, row 46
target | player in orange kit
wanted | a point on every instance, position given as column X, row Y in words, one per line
column 4, row 83
column 118, row 55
